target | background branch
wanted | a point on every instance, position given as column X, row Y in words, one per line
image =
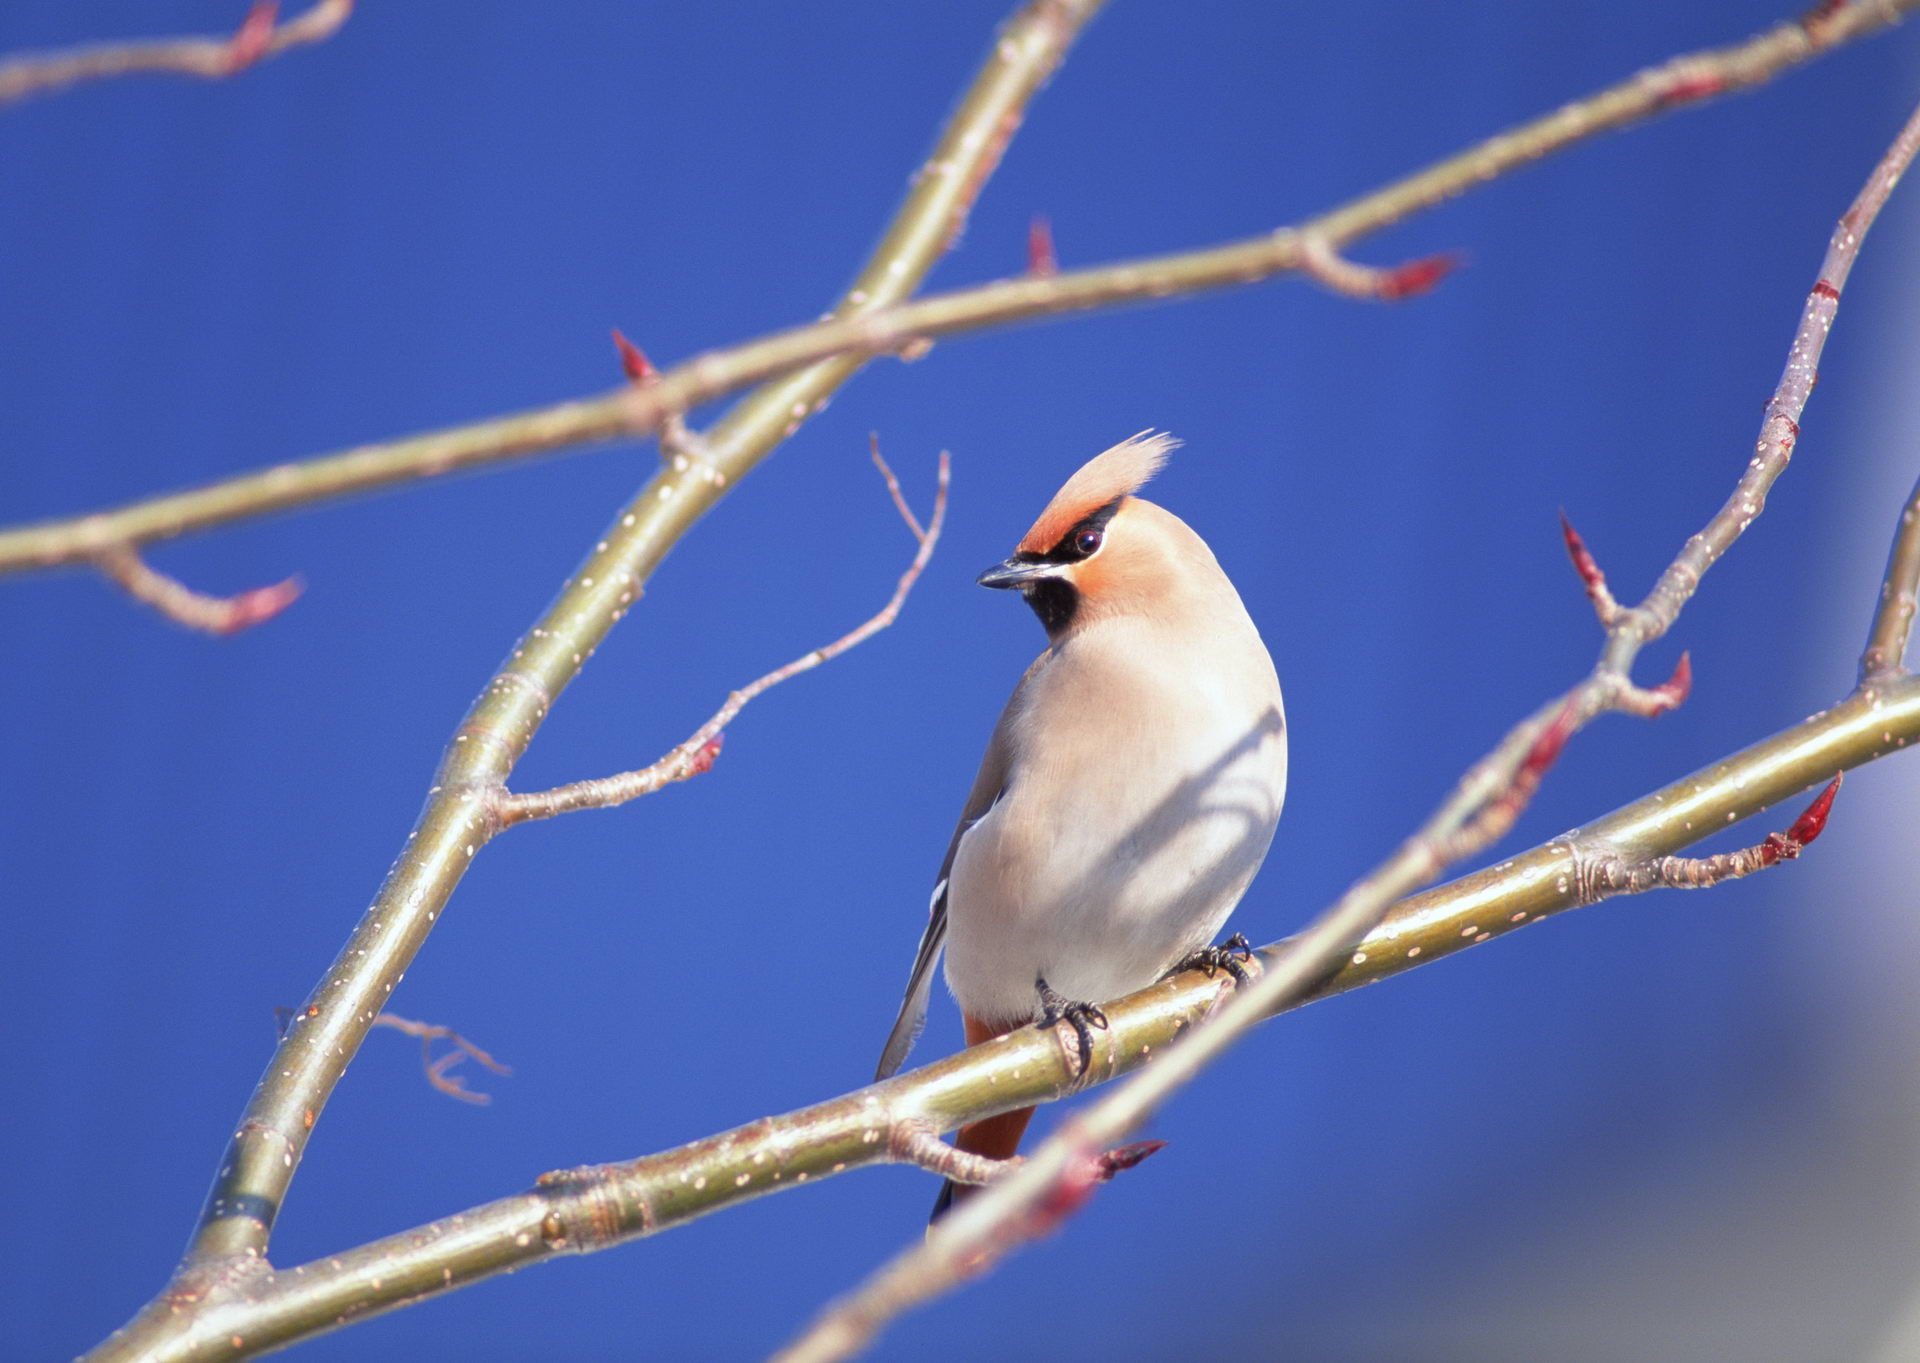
column 212, row 58
column 876, row 323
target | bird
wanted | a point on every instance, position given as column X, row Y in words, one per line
column 1129, row 791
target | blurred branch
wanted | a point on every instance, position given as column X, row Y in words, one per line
column 184, row 606
column 869, row 324
column 581, row 1211
column 225, row 1260
column 1886, row 650
column 696, row 755
column 1334, row 272
column 210, row 58
column 1479, row 808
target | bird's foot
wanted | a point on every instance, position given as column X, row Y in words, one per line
column 1230, row 956
column 1082, row 1017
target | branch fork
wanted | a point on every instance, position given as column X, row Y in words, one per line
column 1601, row 872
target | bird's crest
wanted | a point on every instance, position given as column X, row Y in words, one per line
column 1117, row 472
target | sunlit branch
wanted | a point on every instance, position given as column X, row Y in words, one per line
column 264, row 1153
column 1886, row 650
column 874, row 325
column 996, row 1220
column 580, row 1211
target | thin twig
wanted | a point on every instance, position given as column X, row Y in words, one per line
column 1886, row 651
column 439, row 1069
column 1607, row 873
column 877, row 327
column 1479, row 807
column 893, row 486
column 696, row 755
column 1325, row 266
column 209, row 58
column 184, row 606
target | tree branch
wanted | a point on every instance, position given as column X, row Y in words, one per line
column 1479, row 807
column 210, row 58
column 582, row 1211
column 227, row 1253
column 869, row 325
column 696, row 755
column 184, row 606
column 1886, row 651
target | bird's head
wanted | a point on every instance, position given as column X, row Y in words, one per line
column 1098, row 548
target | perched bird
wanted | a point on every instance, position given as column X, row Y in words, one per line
column 1129, row 791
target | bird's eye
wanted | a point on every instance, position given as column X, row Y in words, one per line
column 1086, row 542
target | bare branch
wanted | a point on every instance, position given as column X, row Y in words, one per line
column 184, row 606
column 439, row 1070
column 460, row 813
column 872, row 325
column 696, row 755
column 1886, row 651
column 212, row 58
column 586, row 1210
column 1781, row 429
column 1480, row 806
column 918, row 1145
column 1605, row 873
column 1325, row 266
column 893, row 487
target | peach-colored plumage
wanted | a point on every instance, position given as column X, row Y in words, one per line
column 1128, row 793
column 1117, row 472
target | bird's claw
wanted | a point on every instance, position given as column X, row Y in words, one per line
column 1230, row 956
column 1056, row 1008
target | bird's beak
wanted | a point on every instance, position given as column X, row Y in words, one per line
column 1014, row 573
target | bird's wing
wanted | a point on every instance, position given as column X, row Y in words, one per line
column 988, row 786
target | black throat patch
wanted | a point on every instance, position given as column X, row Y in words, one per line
column 1054, row 599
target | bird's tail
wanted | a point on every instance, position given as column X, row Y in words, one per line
column 994, row 1137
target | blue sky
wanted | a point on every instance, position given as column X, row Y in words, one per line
column 1675, row 1126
